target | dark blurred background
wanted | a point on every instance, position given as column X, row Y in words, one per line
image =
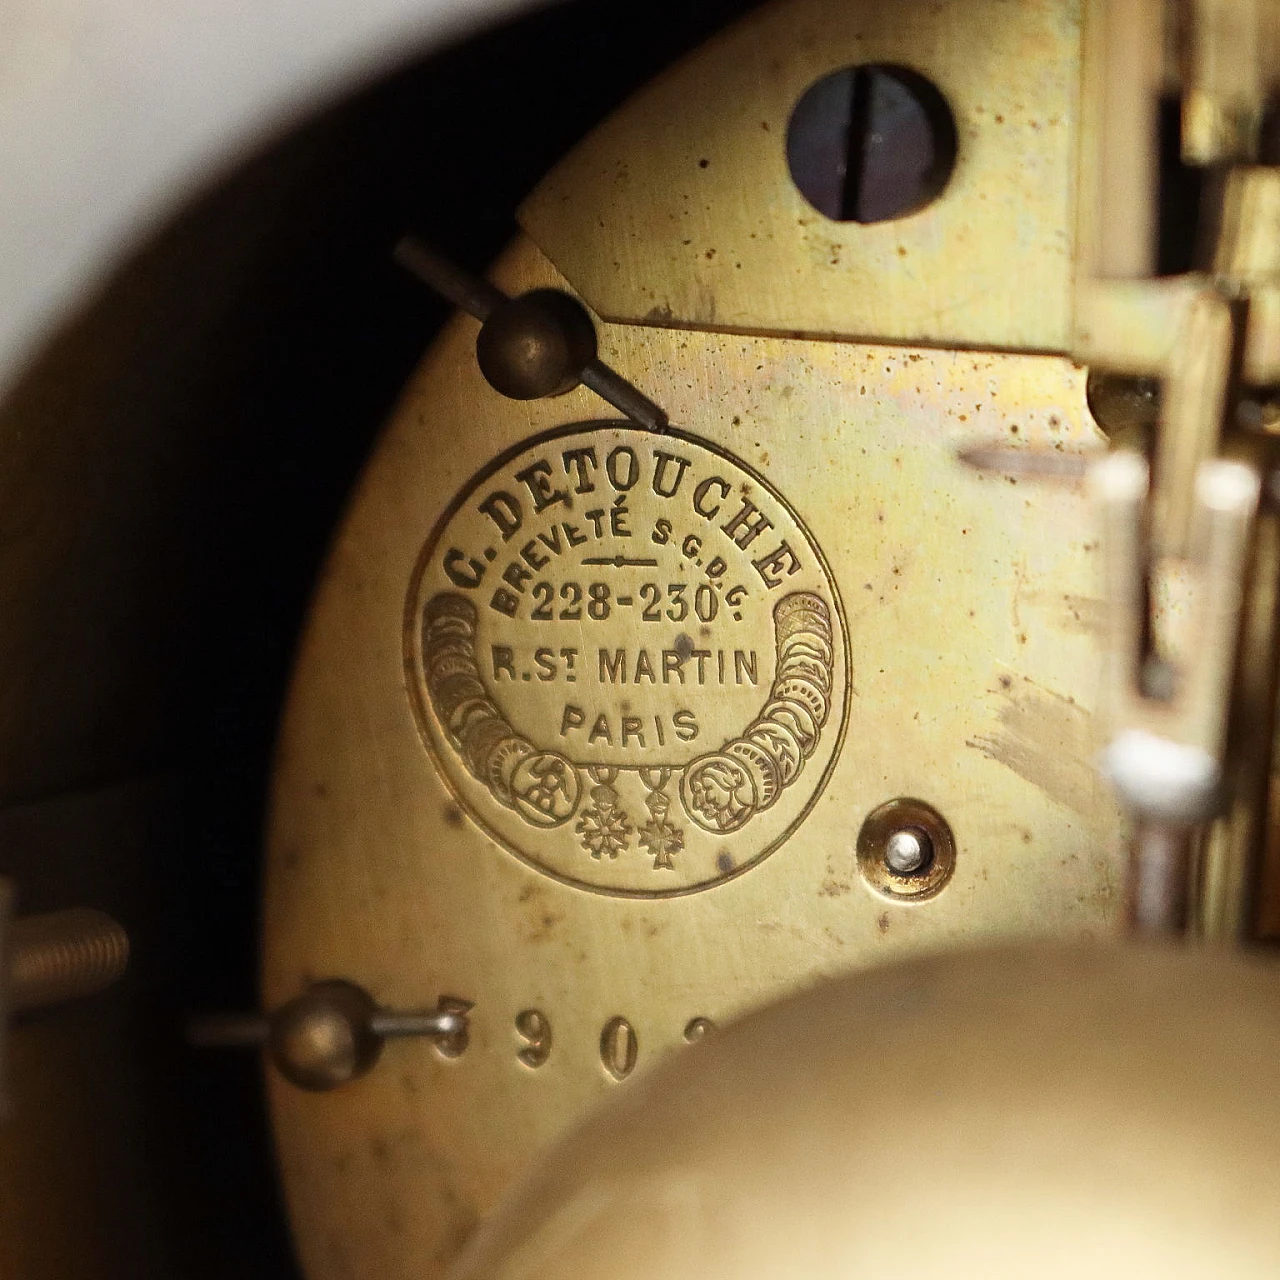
column 171, row 472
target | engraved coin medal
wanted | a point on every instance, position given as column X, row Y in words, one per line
column 590, row 611
column 602, row 735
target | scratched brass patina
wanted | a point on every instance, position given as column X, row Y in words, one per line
column 628, row 658
column 730, row 243
column 587, row 720
column 969, row 606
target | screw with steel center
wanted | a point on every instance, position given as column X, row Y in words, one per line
column 908, row 851
column 332, row 1033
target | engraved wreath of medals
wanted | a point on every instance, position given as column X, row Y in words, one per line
column 628, row 657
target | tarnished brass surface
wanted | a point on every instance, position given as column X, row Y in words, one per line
column 680, row 209
column 1057, row 1114
column 588, row 719
column 400, row 857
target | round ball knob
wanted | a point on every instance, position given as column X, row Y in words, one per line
column 1056, row 1113
column 536, row 345
column 324, row 1038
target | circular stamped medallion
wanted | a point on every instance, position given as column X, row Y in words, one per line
column 628, row 656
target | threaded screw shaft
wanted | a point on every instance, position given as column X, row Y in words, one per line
column 62, row 955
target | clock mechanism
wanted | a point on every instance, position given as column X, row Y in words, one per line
column 835, row 535
column 608, row 730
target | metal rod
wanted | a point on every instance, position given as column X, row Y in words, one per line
column 254, row 1031
column 389, row 1026
column 452, row 282
column 229, row 1031
column 1159, row 864
column 481, row 299
column 609, row 386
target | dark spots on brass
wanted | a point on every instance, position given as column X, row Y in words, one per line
column 545, row 926
column 320, row 791
column 453, row 816
column 882, row 922
column 724, row 862
column 684, row 646
column 704, row 164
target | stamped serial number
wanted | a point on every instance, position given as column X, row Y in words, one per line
column 618, row 1048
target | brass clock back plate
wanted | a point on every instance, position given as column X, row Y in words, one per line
column 588, row 720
